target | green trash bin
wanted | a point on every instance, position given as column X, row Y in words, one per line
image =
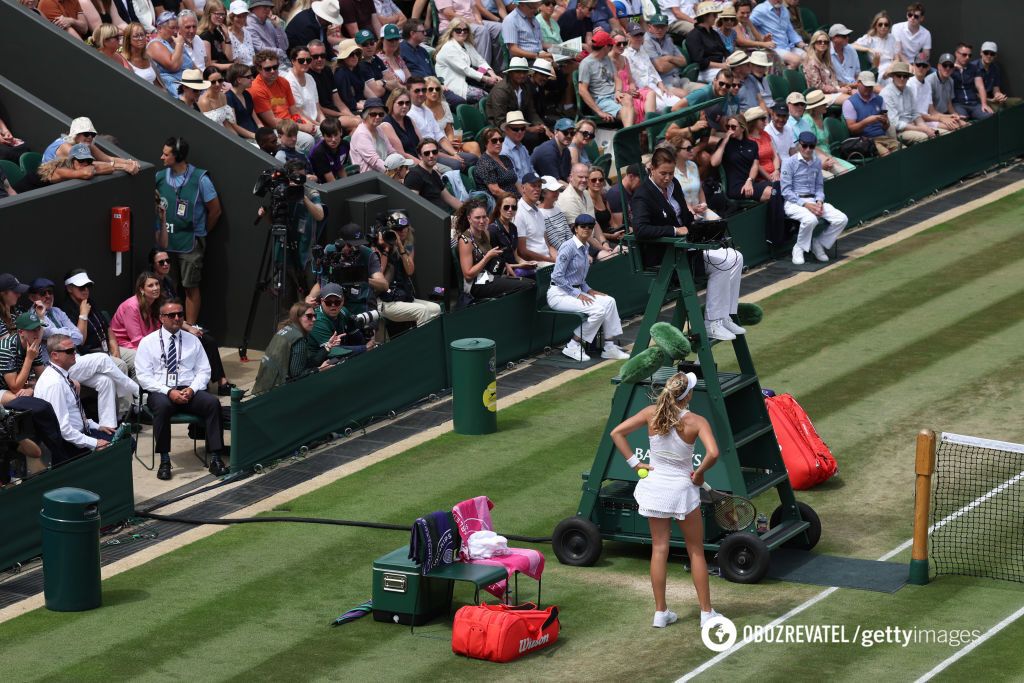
column 474, row 388
column 71, row 549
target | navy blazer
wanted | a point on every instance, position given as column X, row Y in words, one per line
column 654, row 217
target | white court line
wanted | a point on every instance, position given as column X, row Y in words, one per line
column 892, row 553
column 988, row 634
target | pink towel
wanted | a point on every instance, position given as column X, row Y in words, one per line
column 475, row 515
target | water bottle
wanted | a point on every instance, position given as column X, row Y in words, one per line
column 762, row 523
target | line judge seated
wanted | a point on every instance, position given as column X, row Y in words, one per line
column 570, row 292
column 173, row 368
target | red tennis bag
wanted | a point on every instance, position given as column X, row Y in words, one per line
column 808, row 460
column 502, row 633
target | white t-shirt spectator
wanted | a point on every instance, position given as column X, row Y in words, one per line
column 426, row 124
column 782, row 140
column 910, row 44
column 305, row 96
column 685, row 6
column 885, row 46
column 197, row 51
column 922, row 93
column 530, row 222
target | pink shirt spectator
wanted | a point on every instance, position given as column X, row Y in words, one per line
column 369, row 149
column 128, row 326
column 463, row 9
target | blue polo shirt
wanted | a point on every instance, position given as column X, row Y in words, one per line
column 549, row 160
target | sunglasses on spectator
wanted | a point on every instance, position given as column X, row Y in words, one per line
column 173, row 314
column 599, row 179
column 988, row 53
column 45, row 292
column 403, row 103
column 268, row 69
column 586, row 134
column 460, row 30
column 568, row 132
column 913, row 15
column 882, row 24
column 88, row 135
column 947, row 65
column 821, row 42
column 84, row 162
column 509, row 207
column 215, row 81
column 72, row 351
column 733, row 126
column 808, row 145
column 138, row 36
column 496, row 140
column 304, row 60
column 734, row 86
column 621, row 43
column 375, row 114
column 419, row 91
column 317, row 55
column 309, row 316
column 332, row 301
column 965, row 54
column 433, row 89
column 428, row 152
column 163, row 262
column 517, row 129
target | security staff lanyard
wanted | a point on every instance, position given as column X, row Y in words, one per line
column 78, row 397
column 172, row 377
column 180, row 207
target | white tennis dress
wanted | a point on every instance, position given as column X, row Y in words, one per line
column 668, row 491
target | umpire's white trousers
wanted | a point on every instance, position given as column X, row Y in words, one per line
column 602, row 313
column 725, row 271
column 115, row 388
column 808, row 221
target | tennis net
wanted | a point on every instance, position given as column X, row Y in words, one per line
column 978, row 508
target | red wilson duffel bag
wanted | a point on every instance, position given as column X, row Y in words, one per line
column 502, row 633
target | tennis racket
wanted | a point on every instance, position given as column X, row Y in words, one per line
column 732, row 513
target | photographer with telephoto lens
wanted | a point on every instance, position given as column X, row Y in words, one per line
column 392, row 240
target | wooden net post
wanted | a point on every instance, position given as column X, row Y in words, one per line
column 924, row 466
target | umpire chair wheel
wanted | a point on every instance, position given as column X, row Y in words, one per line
column 743, row 558
column 808, row 539
column 576, row 542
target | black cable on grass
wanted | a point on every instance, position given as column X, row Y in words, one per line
column 309, row 520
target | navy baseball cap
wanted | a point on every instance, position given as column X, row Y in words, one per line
column 584, row 219
column 780, row 108
column 807, row 138
column 39, row 284
column 10, row 283
column 531, row 179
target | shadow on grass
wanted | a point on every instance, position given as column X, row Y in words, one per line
column 123, row 596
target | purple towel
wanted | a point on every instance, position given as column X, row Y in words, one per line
column 434, row 541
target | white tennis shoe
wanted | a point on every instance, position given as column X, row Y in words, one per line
column 613, row 351
column 663, row 619
column 819, row 251
column 705, row 617
column 733, row 327
column 718, row 330
column 575, row 351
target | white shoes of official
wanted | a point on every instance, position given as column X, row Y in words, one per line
column 663, row 619
column 798, row 256
column 575, row 351
column 705, row 617
column 733, row 327
column 612, row 351
column 819, row 251
column 718, row 330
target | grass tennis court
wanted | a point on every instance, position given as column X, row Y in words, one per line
column 924, row 333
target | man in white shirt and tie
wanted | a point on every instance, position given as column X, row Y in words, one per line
column 56, row 387
column 172, row 367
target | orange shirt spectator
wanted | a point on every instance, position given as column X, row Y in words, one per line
column 276, row 97
column 51, row 9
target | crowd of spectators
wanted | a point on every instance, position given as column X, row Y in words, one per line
column 336, row 86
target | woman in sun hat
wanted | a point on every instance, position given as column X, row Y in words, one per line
column 671, row 490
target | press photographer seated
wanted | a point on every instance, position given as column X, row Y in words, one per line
column 349, row 262
column 337, row 326
column 293, row 353
column 394, row 246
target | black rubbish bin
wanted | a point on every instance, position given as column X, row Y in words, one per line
column 71, row 549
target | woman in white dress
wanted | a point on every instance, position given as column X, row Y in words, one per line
column 242, row 50
column 214, row 103
column 303, row 86
column 671, row 489
column 880, row 43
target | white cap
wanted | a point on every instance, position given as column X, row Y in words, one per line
column 548, row 182
column 396, row 160
column 82, row 124
column 79, row 280
column 238, row 7
column 989, row 46
column 838, row 30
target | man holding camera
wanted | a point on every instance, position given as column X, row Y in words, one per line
column 303, row 230
column 334, row 321
column 394, row 249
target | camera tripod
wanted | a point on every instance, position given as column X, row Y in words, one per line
column 271, row 276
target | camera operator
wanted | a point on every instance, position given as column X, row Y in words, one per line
column 306, row 218
column 350, row 263
column 394, row 248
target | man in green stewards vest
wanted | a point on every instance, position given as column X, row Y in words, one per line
column 192, row 210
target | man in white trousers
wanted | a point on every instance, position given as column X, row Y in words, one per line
column 803, row 188
column 570, row 292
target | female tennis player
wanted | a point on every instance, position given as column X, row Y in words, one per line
column 671, row 490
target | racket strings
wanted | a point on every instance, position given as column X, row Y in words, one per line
column 734, row 513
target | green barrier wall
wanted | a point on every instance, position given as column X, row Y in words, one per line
column 414, row 365
column 107, row 473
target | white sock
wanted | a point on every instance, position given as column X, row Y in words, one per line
column 705, row 614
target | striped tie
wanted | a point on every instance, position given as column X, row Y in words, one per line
column 172, row 357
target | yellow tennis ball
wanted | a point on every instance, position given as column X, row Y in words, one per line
column 642, row 473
